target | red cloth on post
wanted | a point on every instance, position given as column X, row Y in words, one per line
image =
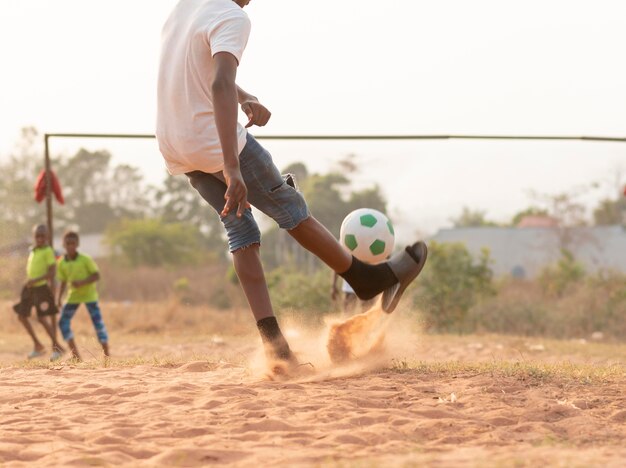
column 40, row 187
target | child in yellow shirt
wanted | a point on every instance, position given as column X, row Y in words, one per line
column 37, row 292
column 81, row 273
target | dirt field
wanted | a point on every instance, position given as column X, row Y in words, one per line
column 195, row 398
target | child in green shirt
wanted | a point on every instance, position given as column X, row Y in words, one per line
column 81, row 272
column 37, row 292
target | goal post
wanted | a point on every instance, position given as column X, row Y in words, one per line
column 48, row 136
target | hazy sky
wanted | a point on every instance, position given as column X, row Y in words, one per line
column 353, row 66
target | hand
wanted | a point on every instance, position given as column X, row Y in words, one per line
column 30, row 283
column 257, row 113
column 236, row 195
column 77, row 284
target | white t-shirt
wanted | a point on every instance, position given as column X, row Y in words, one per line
column 195, row 31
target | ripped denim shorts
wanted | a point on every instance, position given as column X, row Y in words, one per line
column 268, row 191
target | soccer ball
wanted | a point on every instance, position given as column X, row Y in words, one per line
column 368, row 235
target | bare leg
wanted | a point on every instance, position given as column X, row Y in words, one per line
column 367, row 280
column 31, row 332
column 249, row 269
column 50, row 326
column 313, row 236
column 74, row 349
column 105, row 349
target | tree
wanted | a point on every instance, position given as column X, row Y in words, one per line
column 609, row 212
column 19, row 209
column 153, row 242
column 299, row 170
column 330, row 198
column 530, row 211
column 451, row 284
column 569, row 213
column 130, row 199
column 178, row 202
column 96, row 194
column 471, row 218
column 556, row 279
column 323, row 196
column 612, row 210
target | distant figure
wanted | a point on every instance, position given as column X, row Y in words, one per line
column 198, row 134
column 350, row 298
column 518, row 272
column 81, row 272
column 37, row 292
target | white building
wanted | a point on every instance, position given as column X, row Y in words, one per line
column 523, row 252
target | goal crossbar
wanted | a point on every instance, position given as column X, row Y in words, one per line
column 48, row 136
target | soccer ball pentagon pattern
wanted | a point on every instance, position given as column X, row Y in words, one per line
column 368, row 235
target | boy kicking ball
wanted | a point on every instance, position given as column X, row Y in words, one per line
column 198, row 134
column 81, row 273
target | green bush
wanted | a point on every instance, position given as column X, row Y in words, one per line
column 596, row 304
column 452, row 282
column 221, row 300
column 231, row 275
column 152, row 242
column 182, row 290
column 556, row 279
column 518, row 309
column 296, row 291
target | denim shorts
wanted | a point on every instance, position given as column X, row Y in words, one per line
column 268, row 191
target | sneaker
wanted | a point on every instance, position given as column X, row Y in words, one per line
column 35, row 354
column 406, row 265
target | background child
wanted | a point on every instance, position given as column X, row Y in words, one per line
column 38, row 292
column 348, row 296
column 81, row 272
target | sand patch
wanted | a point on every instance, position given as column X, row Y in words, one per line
column 164, row 416
column 193, row 400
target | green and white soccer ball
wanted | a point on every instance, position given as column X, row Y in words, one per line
column 368, row 235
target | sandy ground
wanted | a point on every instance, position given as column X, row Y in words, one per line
column 189, row 400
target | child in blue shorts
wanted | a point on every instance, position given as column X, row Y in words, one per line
column 81, row 273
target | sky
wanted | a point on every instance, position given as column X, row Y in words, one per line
column 354, row 67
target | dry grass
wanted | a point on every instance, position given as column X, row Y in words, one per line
column 531, row 373
column 596, row 304
column 119, row 283
column 167, row 333
column 534, row 373
column 184, row 384
column 130, row 317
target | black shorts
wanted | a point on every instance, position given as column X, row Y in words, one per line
column 39, row 296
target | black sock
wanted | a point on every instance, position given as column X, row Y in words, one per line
column 368, row 280
column 273, row 338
